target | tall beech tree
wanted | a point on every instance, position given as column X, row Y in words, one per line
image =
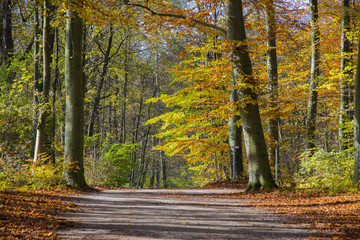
column 356, row 178
column 314, row 77
column 346, row 73
column 272, row 76
column 48, row 44
column 74, row 112
column 256, row 150
column 235, row 133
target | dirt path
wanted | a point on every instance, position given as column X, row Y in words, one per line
column 174, row 214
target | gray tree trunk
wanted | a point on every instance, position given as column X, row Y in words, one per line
column 74, row 112
column 356, row 178
column 256, row 150
column 272, row 77
column 346, row 78
column 48, row 41
column 235, row 137
column 36, row 75
column 314, row 78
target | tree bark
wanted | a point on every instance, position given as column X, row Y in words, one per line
column 256, row 150
column 272, row 77
column 356, row 179
column 74, row 112
column 48, row 42
column 346, row 77
column 36, row 75
column 7, row 30
column 8, row 38
column 125, row 91
column 314, row 78
column 235, row 136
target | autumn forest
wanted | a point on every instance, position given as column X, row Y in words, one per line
column 206, row 106
column 176, row 94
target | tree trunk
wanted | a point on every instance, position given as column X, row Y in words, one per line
column 74, row 112
column 7, row 37
column 94, row 110
column 314, row 78
column 48, row 42
column 272, row 77
column 256, row 150
column 356, row 179
column 346, row 77
column 235, row 136
column 2, row 50
column 36, row 72
column 125, row 90
column 55, row 88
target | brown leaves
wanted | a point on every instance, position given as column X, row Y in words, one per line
column 31, row 215
column 319, row 211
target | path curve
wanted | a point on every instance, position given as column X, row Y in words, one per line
column 174, row 214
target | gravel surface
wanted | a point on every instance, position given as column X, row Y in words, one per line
column 174, row 214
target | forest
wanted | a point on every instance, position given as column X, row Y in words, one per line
column 243, row 109
column 177, row 94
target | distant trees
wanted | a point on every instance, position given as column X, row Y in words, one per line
column 188, row 58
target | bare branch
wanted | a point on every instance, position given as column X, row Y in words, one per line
column 223, row 31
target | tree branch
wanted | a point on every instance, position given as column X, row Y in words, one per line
column 223, row 31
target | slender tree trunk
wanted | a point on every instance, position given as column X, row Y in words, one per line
column 94, row 110
column 314, row 78
column 272, row 77
column 346, row 77
column 36, row 75
column 256, row 150
column 356, row 178
column 126, row 76
column 2, row 50
column 54, row 87
column 235, row 136
column 74, row 112
column 48, row 42
column 7, row 37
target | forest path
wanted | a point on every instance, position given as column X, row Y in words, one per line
column 174, row 214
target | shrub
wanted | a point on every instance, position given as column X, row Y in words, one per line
column 118, row 164
column 28, row 176
column 331, row 171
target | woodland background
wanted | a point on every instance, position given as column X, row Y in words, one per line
column 157, row 92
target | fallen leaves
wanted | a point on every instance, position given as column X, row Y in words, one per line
column 324, row 212
column 31, row 214
column 339, row 213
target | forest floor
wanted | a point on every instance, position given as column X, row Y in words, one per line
column 218, row 211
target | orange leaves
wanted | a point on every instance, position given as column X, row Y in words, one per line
column 30, row 215
column 319, row 211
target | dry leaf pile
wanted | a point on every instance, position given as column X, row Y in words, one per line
column 31, row 214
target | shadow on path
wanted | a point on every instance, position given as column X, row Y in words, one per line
column 160, row 214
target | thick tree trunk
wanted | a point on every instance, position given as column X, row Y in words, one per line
column 314, row 78
column 256, row 150
column 74, row 112
column 272, row 77
column 356, row 178
column 346, row 77
column 48, row 42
